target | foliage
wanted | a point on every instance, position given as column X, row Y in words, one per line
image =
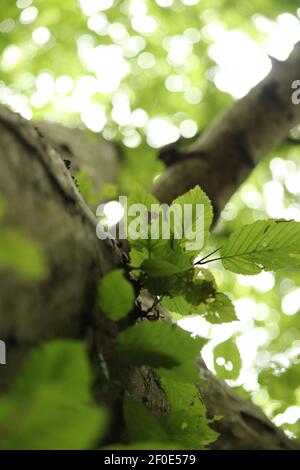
column 283, row 388
column 167, row 269
column 156, row 345
column 227, row 369
column 51, row 400
column 180, row 427
column 116, row 295
column 175, row 277
column 83, row 70
column 269, row 245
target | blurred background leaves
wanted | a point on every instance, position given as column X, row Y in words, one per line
column 51, row 406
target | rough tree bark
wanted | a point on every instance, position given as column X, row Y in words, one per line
column 45, row 204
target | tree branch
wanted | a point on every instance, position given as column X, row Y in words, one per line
column 243, row 424
column 225, row 154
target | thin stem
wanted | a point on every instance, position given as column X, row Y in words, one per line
column 207, row 256
column 210, row 260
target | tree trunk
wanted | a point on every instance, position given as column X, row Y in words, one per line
column 44, row 203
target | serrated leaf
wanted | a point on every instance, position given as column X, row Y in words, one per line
column 141, row 424
column 183, row 396
column 194, row 197
column 167, row 285
column 116, row 295
column 178, row 428
column 144, row 249
column 199, row 291
column 137, row 256
column 168, row 348
column 187, row 423
column 220, row 309
column 141, row 206
column 179, row 304
column 207, row 275
column 140, row 196
column 159, row 268
column 265, row 244
column 227, row 360
column 51, row 406
column 191, row 432
column 162, row 250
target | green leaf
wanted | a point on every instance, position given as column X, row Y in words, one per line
column 144, row 249
column 141, row 424
column 137, row 256
column 57, row 362
column 116, row 295
column 195, row 197
column 85, row 186
column 22, row 254
column 166, row 267
column 167, row 285
column 199, row 291
column 168, row 348
column 282, row 385
column 161, row 250
column 141, row 217
column 151, row 254
column 177, row 429
column 187, row 430
column 187, row 423
column 265, row 244
column 216, row 308
column 227, row 360
column 179, row 304
column 108, row 192
column 220, row 309
column 51, row 406
column 183, row 396
column 140, row 196
column 159, row 268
